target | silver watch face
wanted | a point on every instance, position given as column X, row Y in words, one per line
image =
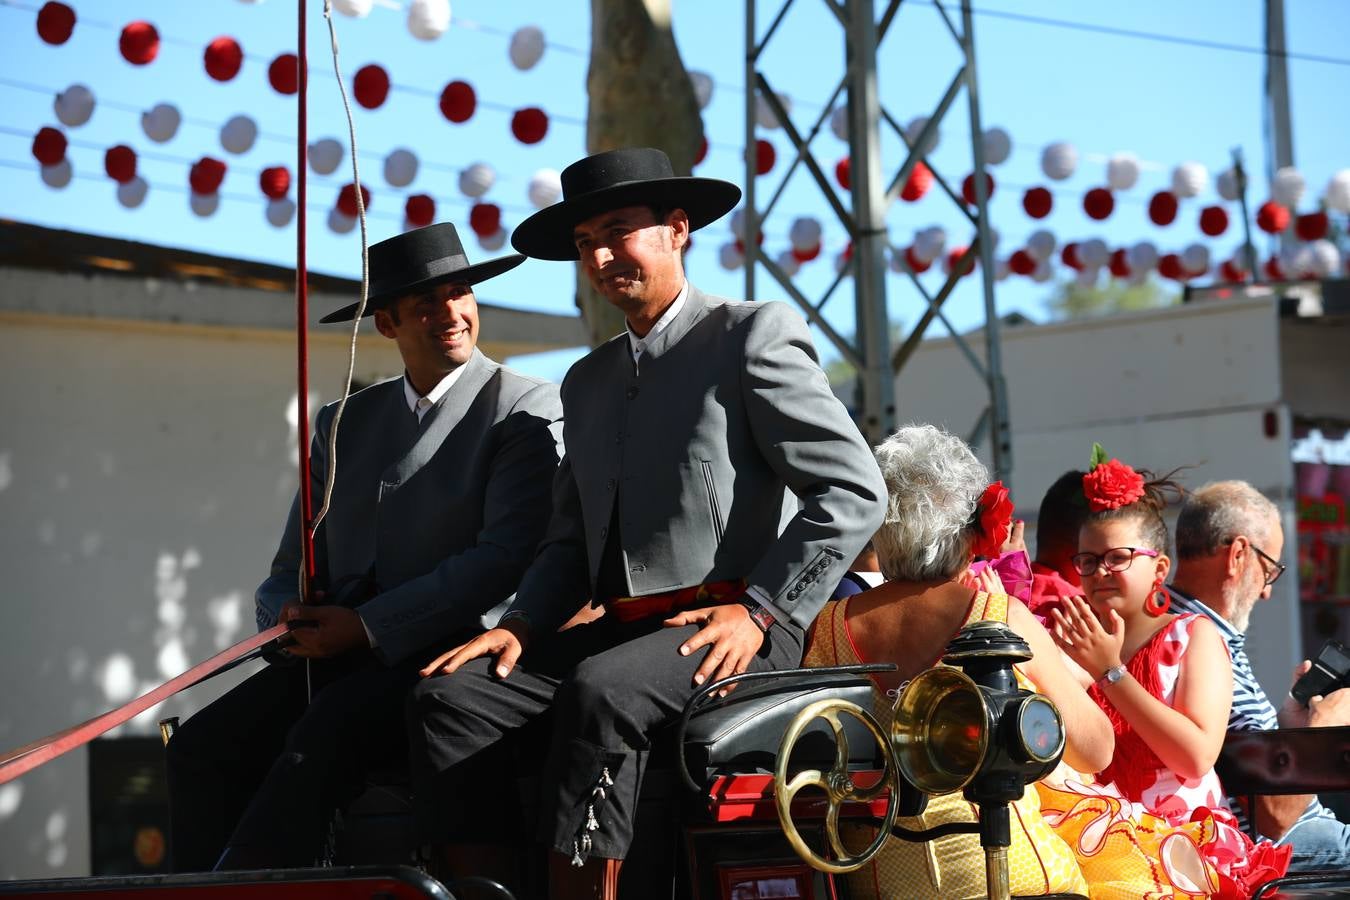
column 1114, row 674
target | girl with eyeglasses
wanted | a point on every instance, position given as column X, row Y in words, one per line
column 1157, row 812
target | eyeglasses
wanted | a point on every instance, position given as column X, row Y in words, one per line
column 1117, row 559
column 1278, row 566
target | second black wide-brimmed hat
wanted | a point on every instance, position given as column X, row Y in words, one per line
column 633, row 176
column 419, row 260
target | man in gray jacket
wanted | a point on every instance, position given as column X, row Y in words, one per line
column 441, row 496
column 714, row 491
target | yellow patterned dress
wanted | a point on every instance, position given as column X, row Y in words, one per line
column 952, row 867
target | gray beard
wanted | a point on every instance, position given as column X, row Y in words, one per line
column 1239, row 602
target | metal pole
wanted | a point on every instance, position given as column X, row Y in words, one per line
column 1001, row 444
column 750, row 235
column 1279, row 131
column 877, row 413
column 1248, row 248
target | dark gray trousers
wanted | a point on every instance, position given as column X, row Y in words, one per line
column 609, row 684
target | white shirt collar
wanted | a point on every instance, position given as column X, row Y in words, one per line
column 419, row 404
column 639, row 344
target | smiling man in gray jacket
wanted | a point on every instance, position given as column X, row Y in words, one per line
column 713, row 492
column 441, row 496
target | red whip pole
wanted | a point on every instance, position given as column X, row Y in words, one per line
column 302, row 311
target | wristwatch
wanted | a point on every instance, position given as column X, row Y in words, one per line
column 759, row 613
column 1111, row 676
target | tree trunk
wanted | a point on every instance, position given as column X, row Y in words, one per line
column 640, row 96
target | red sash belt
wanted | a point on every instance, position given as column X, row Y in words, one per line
column 631, row 609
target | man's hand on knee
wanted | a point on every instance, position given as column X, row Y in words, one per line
column 731, row 636
column 506, row 642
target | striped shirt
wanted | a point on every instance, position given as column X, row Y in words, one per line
column 1251, row 711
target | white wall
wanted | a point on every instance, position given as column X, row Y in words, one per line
column 145, row 473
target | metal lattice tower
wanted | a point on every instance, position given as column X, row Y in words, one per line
column 865, row 222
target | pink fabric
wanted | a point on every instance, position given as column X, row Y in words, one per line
column 1047, row 586
column 1014, row 570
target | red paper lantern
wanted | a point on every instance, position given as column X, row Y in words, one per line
column 206, row 175
column 917, row 184
column 805, row 255
column 346, row 201
column 765, row 156
column 968, row 187
column 49, row 146
column 139, row 43
column 1272, row 218
column 1231, row 272
column 1170, row 267
column 284, row 74
column 1038, row 202
column 223, row 57
column 420, row 210
column 740, row 244
column 458, row 101
column 1098, row 203
column 55, row 23
column 120, row 163
column 1213, row 220
column 702, row 153
column 485, row 219
column 954, row 258
column 1022, row 263
column 370, row 86
column 529, row 125
column 843, row 171
column 1311, row 227
column 1069, row 256
column 1274, row 271
column 847, row 255
column 916, row 265
column 275, row 182
column 1120, row 264
column 1162, row 208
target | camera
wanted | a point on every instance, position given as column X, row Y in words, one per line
column 1330, row 671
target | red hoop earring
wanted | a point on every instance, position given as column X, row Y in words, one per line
column 1158, row 599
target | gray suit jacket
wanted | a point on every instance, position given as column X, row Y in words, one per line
column 729, row 457
column 445, row 516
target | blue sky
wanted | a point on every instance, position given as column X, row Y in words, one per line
column 1163, row 101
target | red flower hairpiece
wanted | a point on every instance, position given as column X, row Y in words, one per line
column 1110, row 484
column 994, row 512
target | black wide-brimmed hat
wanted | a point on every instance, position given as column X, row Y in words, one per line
column 418, row 260
column 633, row 176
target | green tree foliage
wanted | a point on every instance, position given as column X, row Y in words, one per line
column 1072, row 300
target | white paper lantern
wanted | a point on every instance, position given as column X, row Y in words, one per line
column 1297, row 260
column 527, row 47
column 730, row 258
column 1287, row 187
column 357, row 9
column 1041, row 244
column 788, row 263
column 339, row 222
column 1093, row 253
column 57, row 176
column 805, row 233
column 997, row 146
column 703, row 88
column 280, row 211
column 1001, row 270
column 1326, row 258
column 545, row 188
column 477, row 179
column 1189, row 179
column 400, row 167
column 161, row 123
column 929, row 243
column 1088, row 276
column 1122, row 171
column 325, row 156
column 993, row 237
column 428, row 19
column 915, row 126
column 238, row 134
column 1227, row 185
column 738, row 223
column 1195, row 259
column 764, row 114
column 1044, row 272
column 1338, row 192
column 895, row 260
column 131, row 194
column 204, row 204
column 494, row 241
column 74, row 105
column 839, row 122
column 1142, row 257
column 1059, row 160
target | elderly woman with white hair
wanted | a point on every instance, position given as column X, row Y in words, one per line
column 941, row 512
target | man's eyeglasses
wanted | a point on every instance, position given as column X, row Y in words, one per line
column 1276, row 568
column 1117, row 559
